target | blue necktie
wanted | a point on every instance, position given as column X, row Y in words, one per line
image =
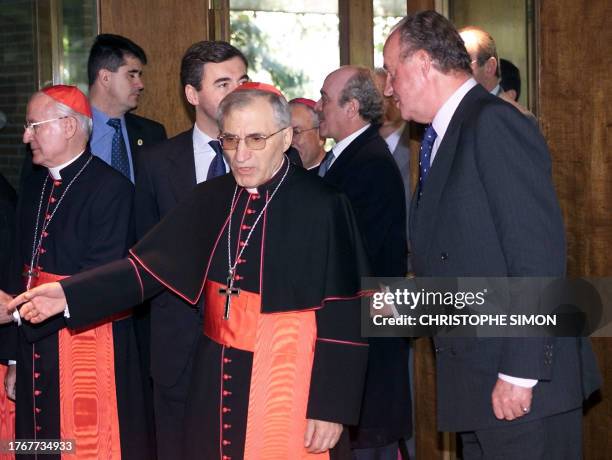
column 119, row 155
column 217, row 166
column 425, row 155
column 326, row 163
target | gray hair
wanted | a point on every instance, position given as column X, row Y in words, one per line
column 85, row 123
column 363, row 89
column 245, row 97
column 313, row 113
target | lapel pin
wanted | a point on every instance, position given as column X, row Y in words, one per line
column 139, row 142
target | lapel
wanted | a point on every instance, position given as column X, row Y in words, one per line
column 181, row 165
column 350, row 152
column 136, row 138
column 423, row 212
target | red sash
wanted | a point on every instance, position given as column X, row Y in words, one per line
column 283, row 352
column 7, row 415
column 88, row 398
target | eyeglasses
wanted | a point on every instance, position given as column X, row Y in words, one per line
column 298, row 131
column 252, row 141
column 33, row 126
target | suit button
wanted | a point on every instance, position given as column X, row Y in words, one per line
column 443, row 256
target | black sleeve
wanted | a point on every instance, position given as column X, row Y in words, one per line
column 340, row 361
column 8, row 342
column 97, row 294
column 146, row 212
column 341, row 354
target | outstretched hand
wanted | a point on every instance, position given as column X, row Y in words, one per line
column 40, row 303
column 5, row 315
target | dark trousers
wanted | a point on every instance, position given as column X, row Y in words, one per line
column 170, row 403
column 557, row 437
column 389, row 452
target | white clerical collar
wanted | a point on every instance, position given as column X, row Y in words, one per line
column 344, row 143
column 443, row 117
column 254, row 189
column 55, row 171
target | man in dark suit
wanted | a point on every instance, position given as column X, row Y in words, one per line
column 486, row 207
column 361, row 166
column 168, row 172
column 114, row 70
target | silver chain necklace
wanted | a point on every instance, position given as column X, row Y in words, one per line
column 229, row 289
column 37, row 242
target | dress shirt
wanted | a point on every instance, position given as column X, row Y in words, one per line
column 393, row 139
column 344, row 143
column 101, row 141
column 203, row 154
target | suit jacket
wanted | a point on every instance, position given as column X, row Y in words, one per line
column 366, row 172
column 143, row 133
column 166, row 176
column 489, row 208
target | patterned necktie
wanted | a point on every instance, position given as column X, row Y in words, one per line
column 119, row 155
column 326, row 163
column 217, row 166
column 425, row 155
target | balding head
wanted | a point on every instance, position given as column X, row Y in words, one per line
column 483, row 54
column 349, row 100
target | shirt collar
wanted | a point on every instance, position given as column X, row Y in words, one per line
column 393, row 139
column 200, row 139
column 344, row 143
column 443, row 117
column 56, row 170
column 495, row 91
column 101, row 119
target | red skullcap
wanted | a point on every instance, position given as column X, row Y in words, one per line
column 260, row 86
column 70, row 96
column 302, row 100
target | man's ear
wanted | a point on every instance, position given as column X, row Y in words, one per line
column 491, row 66
column 104, row 77
column 352, row 108
column 192, row 95
column 287, row 138
column 69, row 127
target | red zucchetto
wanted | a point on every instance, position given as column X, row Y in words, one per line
column 70, row 96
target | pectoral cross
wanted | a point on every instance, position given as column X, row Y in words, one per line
column 30, row 273
column 228, row 292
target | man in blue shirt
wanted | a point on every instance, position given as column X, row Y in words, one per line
column 114, row 70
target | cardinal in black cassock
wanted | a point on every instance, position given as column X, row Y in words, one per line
column 274, row 265
column 80, row 385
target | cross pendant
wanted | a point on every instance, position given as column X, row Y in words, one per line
column 228, row 292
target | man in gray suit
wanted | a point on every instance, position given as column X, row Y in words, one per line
column 486, row 207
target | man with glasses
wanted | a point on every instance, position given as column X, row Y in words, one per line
column 168, row 172
column 279, row 368
column 73, row 214
column 306, row 139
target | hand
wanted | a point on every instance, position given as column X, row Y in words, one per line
column 510, row 401
column 40, row 303
column 9, row 382
column 5, row 316
column 321, row 436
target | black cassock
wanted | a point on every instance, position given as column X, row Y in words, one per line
column 89, row 226
column 291, row 348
